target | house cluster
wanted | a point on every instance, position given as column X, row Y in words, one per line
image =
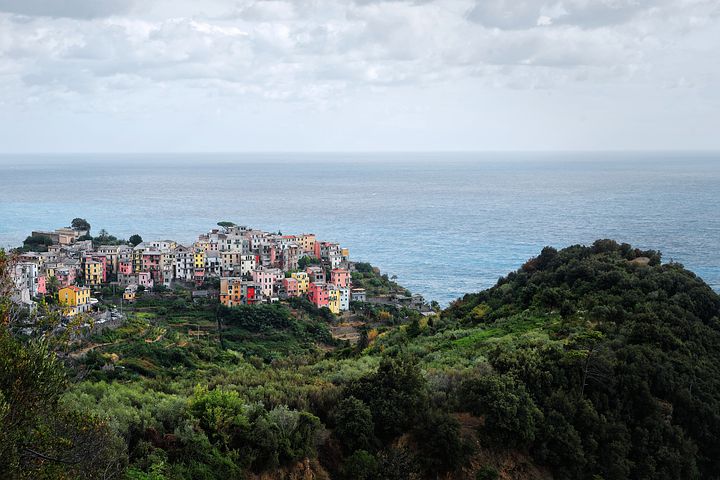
column 252, row 266
column 256, row 266
column 68, row 262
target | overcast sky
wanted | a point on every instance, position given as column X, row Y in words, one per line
column 358, row 75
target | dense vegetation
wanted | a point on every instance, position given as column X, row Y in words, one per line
column 367, row 277
column 592, row 362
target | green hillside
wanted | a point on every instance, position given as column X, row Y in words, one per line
column 587, row 363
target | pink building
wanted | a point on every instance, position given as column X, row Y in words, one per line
column 151, row 264
column 267, row 278
column 199, row 276
column 340, row 277
column 273, row 255
column 145, row 279
column 105, row 266
column 125, row 267
column 41, row 285
column 66, row 276
column 290, row 285
column 318, row 295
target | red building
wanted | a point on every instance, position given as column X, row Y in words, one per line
column 318, row 295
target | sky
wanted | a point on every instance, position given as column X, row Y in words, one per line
column 358, row 75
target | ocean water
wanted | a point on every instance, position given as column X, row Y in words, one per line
column 445, row 224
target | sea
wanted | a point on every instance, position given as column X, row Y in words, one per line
column 444, row 224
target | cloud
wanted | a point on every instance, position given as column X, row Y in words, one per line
column 80, row 9
column 522, row 14
column 308, row 51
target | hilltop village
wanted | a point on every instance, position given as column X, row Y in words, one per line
column 246, row 267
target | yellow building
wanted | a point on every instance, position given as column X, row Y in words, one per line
column 303, row 282
column 334, row 300
column 137, row 259
column 93, row 272
column 199, row 258
column 74, row 300
column 307, row 242
column 130, row 293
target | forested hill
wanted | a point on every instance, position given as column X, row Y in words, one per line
column 628, row 383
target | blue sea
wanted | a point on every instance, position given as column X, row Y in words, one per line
column 443, row 223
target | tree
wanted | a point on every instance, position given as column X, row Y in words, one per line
column 226, row 225
column 440, row 445
column 354, row 424
column 306, row 261
column 80, row 224
column 511, row 417
column 53, row 286
column 361, row 465
column 37, row 243
column 135, row 240
column 40, row 438
column 396, row 395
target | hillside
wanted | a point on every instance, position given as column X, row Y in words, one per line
column 621, row 378
column 588, row 362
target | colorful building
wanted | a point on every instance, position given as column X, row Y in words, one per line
column 267, row 278
column 307, row 243
column 74, row 300
column 199, row 258
column 290, row 287
column 130, row 293
column 236, row 291
column 333, row 298
column 125, row 267
column 303, row 282
column 151, row 263
column 93, row 272
column 340, row 277
column 318, row 294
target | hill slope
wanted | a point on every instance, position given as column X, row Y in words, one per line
column 627, row 383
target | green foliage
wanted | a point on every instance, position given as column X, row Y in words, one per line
column 31, row 378
column 38, row 437
column 361, row 465
column 397, row 463
column 396, row 395
column 354, row 425
column 305, row 261
column 363, row 267
column 440, row 446
column 511, row 417
column 80, row 224
column 135, row 240
column 627, row 382
column 375, row 284
column 594, row 362
column 265, row 439
column 37, row 243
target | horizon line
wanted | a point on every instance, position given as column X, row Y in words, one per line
column 364, row 152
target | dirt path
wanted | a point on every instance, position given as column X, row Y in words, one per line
column 83, row 351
